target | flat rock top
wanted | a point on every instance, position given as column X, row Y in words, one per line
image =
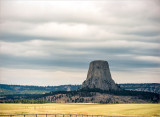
column 99, row 64
column 96, row 61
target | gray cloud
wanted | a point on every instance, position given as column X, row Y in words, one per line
column 20, row 38
column 67, row 35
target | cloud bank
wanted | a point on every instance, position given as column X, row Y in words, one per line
column 52, row 42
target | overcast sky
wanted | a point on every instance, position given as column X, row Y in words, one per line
column 47, row 42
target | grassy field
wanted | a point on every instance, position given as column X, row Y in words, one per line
column 83, row 108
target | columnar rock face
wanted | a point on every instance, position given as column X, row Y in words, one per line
column 99, row 77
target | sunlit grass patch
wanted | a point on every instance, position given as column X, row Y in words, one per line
column 83, row 108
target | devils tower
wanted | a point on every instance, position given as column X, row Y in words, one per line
column 99, row 77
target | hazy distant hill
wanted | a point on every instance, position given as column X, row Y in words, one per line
column 147, row 87
column 6, row 89
column 24, row 89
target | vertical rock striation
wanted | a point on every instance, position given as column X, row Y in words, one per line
column 99, row 77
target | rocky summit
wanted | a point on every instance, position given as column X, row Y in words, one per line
column 99, row 77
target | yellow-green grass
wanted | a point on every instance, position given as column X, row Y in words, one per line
column 83, row 108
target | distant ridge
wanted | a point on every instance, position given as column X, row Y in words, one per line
column 17, row 89
column 146, row 87
column 6, row 89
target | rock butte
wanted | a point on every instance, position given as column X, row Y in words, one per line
column 99, row 77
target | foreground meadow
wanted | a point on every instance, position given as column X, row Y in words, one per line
column 83, row 108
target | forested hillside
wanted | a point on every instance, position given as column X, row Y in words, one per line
column 99, row 96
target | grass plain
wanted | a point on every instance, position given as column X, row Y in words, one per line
column 83, row 108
